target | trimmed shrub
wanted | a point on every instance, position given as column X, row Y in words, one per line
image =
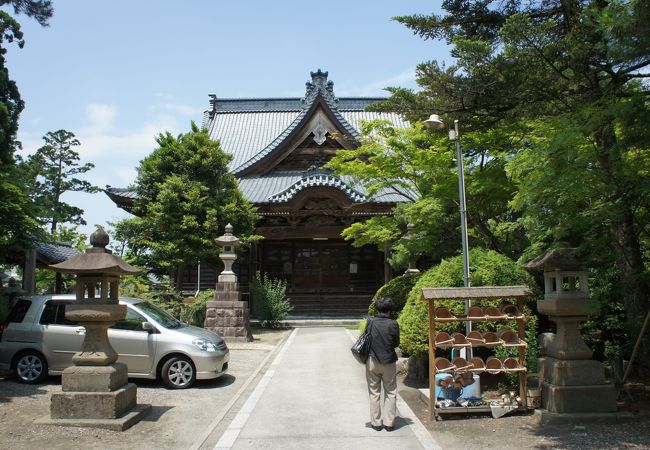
column 488, row 268
column 398, row 289
column 193, row 311
column 269, row 294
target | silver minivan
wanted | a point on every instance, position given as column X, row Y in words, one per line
column 37, row 340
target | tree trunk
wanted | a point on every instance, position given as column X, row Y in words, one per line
column 627, row 248
column 634, row 287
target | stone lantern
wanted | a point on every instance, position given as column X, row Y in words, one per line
column 228, row 243
column 228, row 315
column 96, row 391
column 412, row 268
column 571, row 381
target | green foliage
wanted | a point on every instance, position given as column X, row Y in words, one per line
column 488, row 268
column 605, row 332
column 412, row 163
column 18, row 224
column 361, row 326
column 567, row 85
column 269, row 297
column 397, row 289
column 420, row 166
column 185, row 196
column 193, row 312
column 53, row 170
column 46, row 278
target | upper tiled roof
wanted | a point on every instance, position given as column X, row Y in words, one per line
column 250, row 129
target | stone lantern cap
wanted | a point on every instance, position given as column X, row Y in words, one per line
column 557, row 259
column 227, row 238
column 96, row 259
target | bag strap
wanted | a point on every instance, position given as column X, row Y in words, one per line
column 368, row 325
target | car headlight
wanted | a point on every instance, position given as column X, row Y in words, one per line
column 205, row 345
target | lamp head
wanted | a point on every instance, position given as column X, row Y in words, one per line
column 434, row 122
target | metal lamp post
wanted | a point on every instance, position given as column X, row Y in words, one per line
column 435, row 123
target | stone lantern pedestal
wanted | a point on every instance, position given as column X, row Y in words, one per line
column 571, row 381
column 96, row 391
column 228, row 315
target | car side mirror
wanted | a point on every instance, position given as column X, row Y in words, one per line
column 147, row 326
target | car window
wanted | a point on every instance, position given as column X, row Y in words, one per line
column 132, row 321
column 54, row 313
column 161, row 316
column 19, row 310
column 49, row 314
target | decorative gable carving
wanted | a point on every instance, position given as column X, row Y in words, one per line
column 317, row 178
column 319, row 119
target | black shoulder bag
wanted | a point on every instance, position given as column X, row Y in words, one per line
column 361, row 349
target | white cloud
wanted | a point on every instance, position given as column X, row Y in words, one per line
column 176, row 108
column 376, row 88
column 100, row 117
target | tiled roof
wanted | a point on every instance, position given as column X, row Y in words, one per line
column 122, row 192
column 281, row 186
column 230, row 105
column 244, row 135
column 250, row 129
column 53, row 253
column 313, row 180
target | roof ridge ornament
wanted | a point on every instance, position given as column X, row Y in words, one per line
column 319, row 85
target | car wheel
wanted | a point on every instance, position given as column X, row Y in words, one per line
column 30, row 367
column 178, row 372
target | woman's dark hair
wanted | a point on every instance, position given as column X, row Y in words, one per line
column 384, row 305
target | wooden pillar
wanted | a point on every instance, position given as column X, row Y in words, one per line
column 29, row 271
column 58, row 283
column 388, row 273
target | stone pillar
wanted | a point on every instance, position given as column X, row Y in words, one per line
column 228, row 315
column 571, row 381
column 96, row 391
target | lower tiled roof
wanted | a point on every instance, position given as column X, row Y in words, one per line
column 52, row 253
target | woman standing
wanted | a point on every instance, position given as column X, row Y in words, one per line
column 380, row 367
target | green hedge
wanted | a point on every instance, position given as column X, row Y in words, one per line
column 398, row 289
column 488, row 268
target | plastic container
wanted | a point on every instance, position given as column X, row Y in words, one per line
column 450, row 393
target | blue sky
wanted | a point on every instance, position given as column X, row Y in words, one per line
column 118, row 73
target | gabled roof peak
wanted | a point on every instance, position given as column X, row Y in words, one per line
column 319, row 85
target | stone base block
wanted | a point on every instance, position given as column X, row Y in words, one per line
column 120, row 424
column 579, row 399
column 580, row 372
column 93, row 405
column 94, row 378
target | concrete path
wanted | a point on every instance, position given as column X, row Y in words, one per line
column 314, row 396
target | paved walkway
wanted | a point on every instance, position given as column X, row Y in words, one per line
column 314, row 396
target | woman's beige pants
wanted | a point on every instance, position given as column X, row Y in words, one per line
column 376, row 375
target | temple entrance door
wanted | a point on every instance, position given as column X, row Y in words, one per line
column 321, row 267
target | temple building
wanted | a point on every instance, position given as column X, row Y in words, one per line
column 279, row 147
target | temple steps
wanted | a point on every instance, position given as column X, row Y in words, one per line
column 329, row 306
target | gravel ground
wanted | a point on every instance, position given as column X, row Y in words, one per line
column 481, row 431
column 177, row 418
